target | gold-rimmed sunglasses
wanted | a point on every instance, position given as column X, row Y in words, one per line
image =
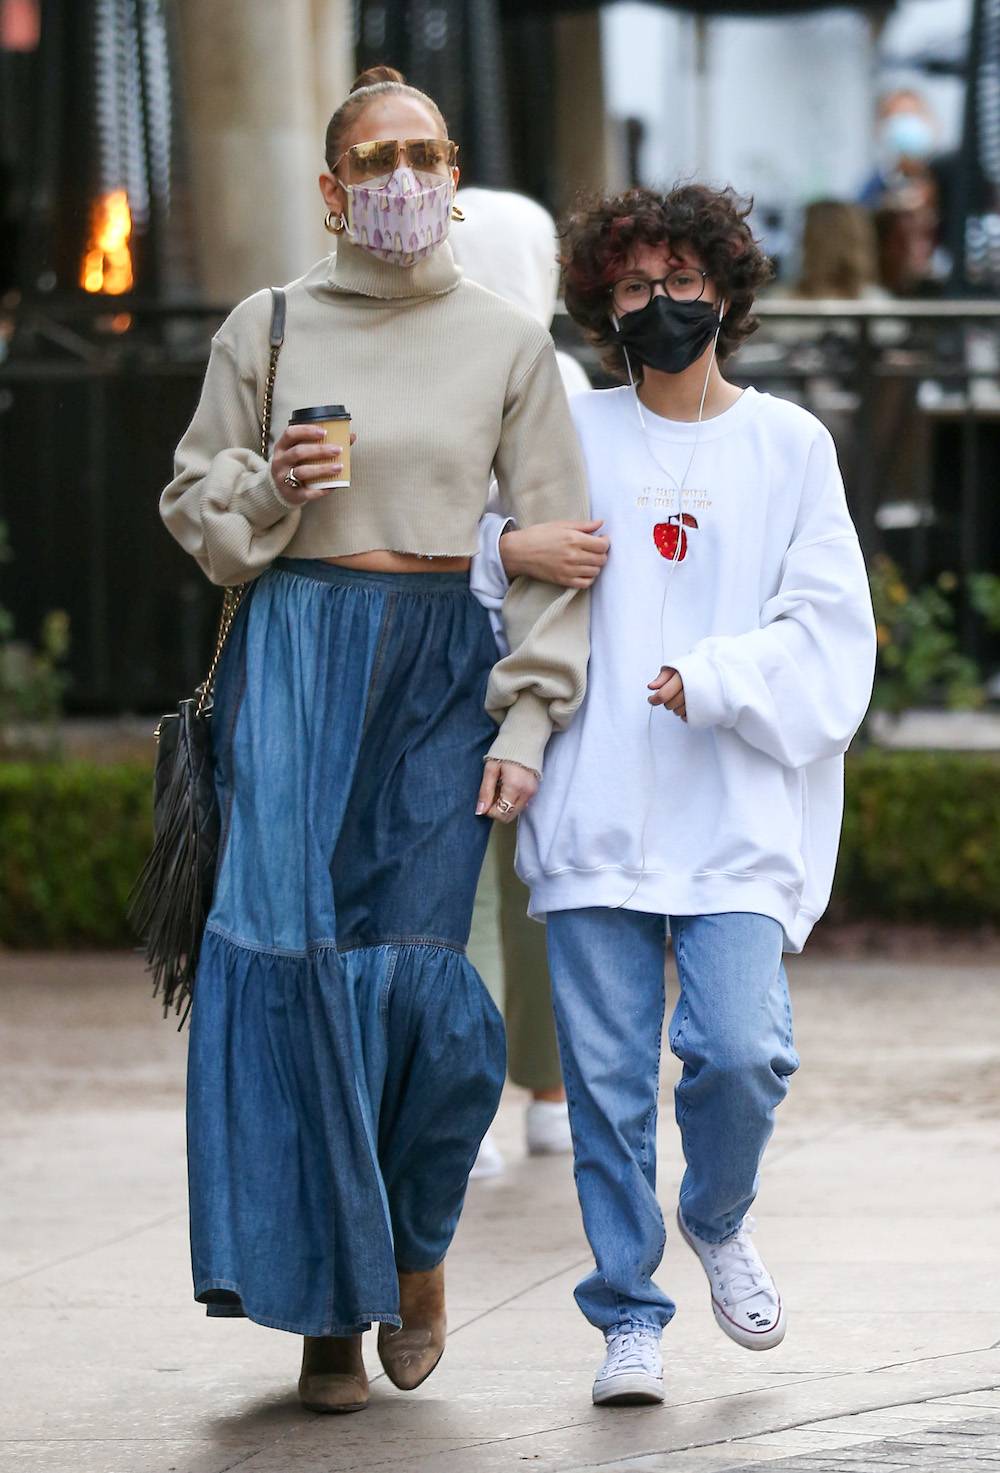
column 381, row 158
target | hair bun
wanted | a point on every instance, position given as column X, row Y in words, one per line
column 376, row 74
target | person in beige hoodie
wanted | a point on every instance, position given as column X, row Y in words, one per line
column 345, row 1058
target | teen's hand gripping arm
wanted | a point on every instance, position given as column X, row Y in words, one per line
column 571, row 554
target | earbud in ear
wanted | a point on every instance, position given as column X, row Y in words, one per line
column 613, row 319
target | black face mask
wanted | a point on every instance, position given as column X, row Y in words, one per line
column 669, row 336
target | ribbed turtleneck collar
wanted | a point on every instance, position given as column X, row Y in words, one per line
column 359, row 273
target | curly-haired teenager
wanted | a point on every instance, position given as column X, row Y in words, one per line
column 699, row 790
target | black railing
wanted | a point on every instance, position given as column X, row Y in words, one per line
column 95, row 394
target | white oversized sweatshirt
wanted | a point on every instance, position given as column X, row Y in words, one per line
column 766, row 614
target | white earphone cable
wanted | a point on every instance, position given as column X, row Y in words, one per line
column 681, row 486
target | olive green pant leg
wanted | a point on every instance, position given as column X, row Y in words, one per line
column 532, row 1050
column 484, row 949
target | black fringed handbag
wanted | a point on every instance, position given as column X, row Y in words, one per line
column 171, row 899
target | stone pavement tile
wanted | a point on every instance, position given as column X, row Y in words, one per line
column 95, row 1374
column 881, row 1167
column 718, row 1459
column 126, row 1455
column 111, row 1047
column 872, row 1457
column 944, row 1240
column 971, row 1398
column 928, row 1289
column 894, row 1419
column 811, row 1439
column 955, row 1439
column 77, row 1185
column 969, row 1446
column 692, row 1460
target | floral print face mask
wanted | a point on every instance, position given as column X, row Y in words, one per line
column 402, row 220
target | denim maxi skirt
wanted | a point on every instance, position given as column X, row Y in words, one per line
column 345, row 1058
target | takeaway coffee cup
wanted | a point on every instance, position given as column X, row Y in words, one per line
column 335, row 419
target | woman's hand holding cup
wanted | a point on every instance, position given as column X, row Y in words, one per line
column 303, row 452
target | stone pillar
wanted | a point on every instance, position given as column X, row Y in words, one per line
column 583, row 146
column 258, row 83
column 333, row 72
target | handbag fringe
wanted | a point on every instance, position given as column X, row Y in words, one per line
column 171, row 898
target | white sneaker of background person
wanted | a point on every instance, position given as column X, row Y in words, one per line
column 745, row 1300
column 490, row 1160
column 546, row 1128
column 632, row 1373
column 546, row 1133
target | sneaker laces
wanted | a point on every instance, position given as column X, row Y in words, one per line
column 737, row 1264
column 632, row 1350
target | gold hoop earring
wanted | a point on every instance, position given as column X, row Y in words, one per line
column 457, row 213
column 330, row 223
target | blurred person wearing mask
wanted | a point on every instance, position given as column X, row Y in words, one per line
column 508, row 244
column 903, row 193
column 905, row 142
column 345, row 1058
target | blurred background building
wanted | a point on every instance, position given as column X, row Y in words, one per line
column 158, row 161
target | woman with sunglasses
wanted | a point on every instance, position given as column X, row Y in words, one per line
column 699, row 792
column 345, row 1057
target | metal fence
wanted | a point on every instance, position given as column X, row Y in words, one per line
column 93, row 398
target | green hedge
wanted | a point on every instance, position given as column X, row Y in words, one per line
column 921, row 838
column 73, row 836
column 921, row 842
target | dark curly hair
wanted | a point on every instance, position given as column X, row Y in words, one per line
column 600, row 234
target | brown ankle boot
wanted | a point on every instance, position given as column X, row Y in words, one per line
column 410, row 1354
column 333, row 1374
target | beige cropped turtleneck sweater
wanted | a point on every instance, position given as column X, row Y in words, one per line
column 444, row 383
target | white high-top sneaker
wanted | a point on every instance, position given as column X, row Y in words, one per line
column 745, row 1301
column 632, row 1373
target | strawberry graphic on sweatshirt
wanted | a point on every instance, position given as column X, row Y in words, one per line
column 666, row 535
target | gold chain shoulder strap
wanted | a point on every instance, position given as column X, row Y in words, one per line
column 233, row 597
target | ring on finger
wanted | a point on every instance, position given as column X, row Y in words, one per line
column 504, row 806
column 291, row 479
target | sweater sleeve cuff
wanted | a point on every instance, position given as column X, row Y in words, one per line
column 704, row 693
column 261, row 502
column 526, row 728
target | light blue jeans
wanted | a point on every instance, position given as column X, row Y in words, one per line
column 732, row 1029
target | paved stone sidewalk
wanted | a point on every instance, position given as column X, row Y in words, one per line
column 958, row 1445
column 879, row 1212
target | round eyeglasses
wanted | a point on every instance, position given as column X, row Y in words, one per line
column 632, row 293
